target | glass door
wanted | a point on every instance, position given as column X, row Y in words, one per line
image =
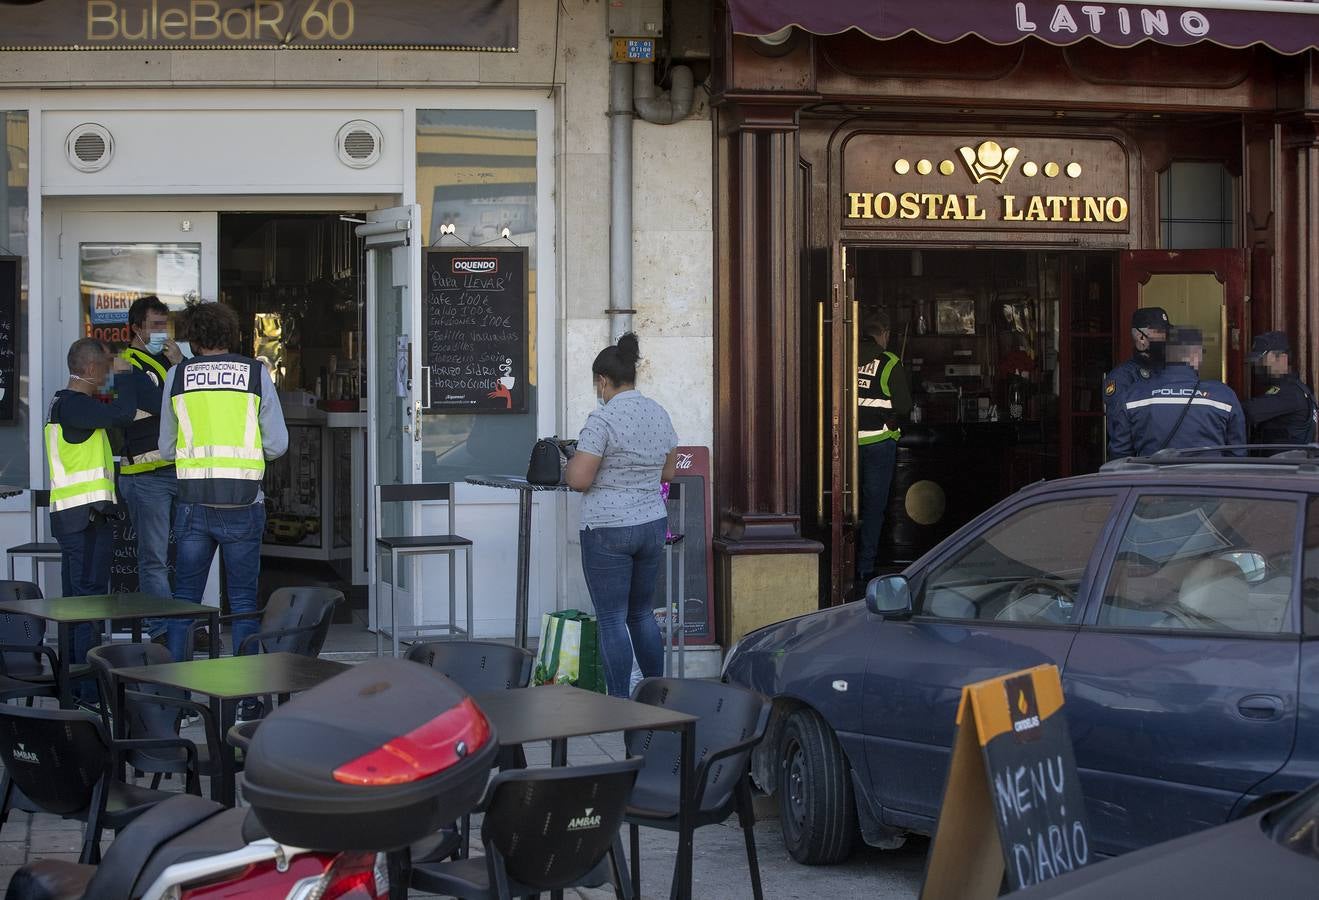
column 392, row 244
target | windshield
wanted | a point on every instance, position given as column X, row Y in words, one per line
column 1295, row 824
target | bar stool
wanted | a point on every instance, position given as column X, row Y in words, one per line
column 401, row 546
column 37, row 550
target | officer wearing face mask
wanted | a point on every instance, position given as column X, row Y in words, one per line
column 1149, row 331
column 1284, row 411
column 146, row 482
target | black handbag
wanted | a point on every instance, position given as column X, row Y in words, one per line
column 547, row 460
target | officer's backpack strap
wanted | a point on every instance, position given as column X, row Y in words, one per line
column 1180, row 419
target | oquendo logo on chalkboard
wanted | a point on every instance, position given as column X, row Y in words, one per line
column 475, row 265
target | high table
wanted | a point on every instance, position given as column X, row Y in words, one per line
column 556, row 712
column 67, row 612
column 525, row 489
column 226, row 681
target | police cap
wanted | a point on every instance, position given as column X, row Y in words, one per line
column 1269, row 342
column 1150, row 317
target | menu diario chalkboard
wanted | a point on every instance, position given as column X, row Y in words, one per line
column 1013, row 799
column 11, row 283
column 476, row 350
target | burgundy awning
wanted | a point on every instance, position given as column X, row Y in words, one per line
column 1288, row 26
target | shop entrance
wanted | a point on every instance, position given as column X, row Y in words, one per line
column 294, row 280
column 1005, row 351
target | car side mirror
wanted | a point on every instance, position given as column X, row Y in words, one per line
column 889, row 597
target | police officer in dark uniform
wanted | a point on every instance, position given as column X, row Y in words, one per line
column 1174, row 407
column 1149, row 332
column 1285, row 411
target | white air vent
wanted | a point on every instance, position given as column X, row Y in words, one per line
column 358, row 144
column 89, row 147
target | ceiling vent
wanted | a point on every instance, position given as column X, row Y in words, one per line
column 358, row 144
column 89, row 147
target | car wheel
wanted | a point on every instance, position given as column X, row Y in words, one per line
column 816, row 806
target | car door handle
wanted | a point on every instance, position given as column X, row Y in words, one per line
column 1260, row 706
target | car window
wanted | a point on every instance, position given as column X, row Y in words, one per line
column 1310, row 574
column 1025, row 568
column 1203, row 563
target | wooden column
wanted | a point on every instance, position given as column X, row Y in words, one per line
column 758, row 367
column 1296, row 298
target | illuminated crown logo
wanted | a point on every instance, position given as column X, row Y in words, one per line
column 989, row 161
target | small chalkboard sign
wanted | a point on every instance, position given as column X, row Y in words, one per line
column 11, row 284
column 477, row 347
column 123, row 555
column 1013, row 799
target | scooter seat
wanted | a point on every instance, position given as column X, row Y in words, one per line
column 50, row 879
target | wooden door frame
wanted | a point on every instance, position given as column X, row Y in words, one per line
column 1227, row 265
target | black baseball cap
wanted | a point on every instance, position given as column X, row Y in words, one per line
column 1185, row 337
column 1150, row 317
column 1269, row 341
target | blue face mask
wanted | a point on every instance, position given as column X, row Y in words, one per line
column 157, row 342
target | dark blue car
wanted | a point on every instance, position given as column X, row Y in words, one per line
column 1179, row 599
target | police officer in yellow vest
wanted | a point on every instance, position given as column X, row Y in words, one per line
column 81, row 467
column 883, row 400
column 220, row 421
column 146, row 482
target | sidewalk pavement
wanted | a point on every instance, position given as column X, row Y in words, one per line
column 720, row 871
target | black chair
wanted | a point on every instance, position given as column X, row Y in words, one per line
column 152, row 711
column 400, row 546
column 23, row 642
column 240, row 734
column 294, row 620
column 63, row 761
column 731, row 722
column 544, row 830
column 37, row 550
column 479, row 667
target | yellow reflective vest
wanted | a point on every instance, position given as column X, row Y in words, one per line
column 80, row 474
column 218, row 458
column 148, row 460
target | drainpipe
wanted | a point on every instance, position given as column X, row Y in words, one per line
column 620, row 201
column 668, row 107
column 626, row 90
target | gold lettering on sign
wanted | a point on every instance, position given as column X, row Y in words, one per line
column 199, row 21
column 102, row 12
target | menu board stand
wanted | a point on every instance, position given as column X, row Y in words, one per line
column 11, row 286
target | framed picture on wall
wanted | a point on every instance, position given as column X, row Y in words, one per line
column 956, row 317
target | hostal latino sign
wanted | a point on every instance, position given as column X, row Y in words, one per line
column 1022, row 183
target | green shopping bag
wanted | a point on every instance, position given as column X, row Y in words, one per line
column 569, row 651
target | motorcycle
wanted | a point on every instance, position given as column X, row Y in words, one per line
column 342, row 780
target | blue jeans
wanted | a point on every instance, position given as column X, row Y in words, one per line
column 878, row 461
column 199, row 530
column 621, row 566
column 150, row 499
column 85, row 572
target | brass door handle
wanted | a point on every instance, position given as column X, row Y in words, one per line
column 821, row 415
column 853, row 447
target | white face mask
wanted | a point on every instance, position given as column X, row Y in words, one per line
column 599, row 396
column 156, row 342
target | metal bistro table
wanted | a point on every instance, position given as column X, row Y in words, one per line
column 226, row 681
column 525, row 489
column 66, row 612
column 556, row 712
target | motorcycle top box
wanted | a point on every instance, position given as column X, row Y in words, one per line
column 373, row 759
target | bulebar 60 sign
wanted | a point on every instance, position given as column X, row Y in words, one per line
column 941, row 181
column 207, row 20
column 258, row 24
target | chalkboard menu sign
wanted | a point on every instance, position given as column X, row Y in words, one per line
column 123, row 558
column 11, row 283
column 1013, row 799
column 476, row 351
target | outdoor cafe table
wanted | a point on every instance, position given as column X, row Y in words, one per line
column 66, row 612
column 556, row 712
column 525, row 489
column 227, row 680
